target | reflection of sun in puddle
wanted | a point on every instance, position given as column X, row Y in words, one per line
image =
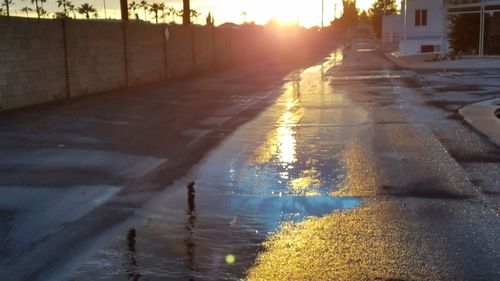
column 281, row 142
column 280, row 146
column 307, row 183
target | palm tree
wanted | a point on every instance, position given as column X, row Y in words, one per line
column 41, row 12
column 194, row 14
column 133, row 7
column 39, row 9
column 26, row 10
column 1, row 11
column 172, row 11
column 144, row 4
column 64, row 4
column 244, row 15
column 6, row 4
column 180, row 13
column 155, row 8
column 72, row 9
column 86, row 9
column 210, row 19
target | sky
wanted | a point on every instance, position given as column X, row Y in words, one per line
column 306, row 12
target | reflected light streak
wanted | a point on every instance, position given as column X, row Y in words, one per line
column 281, row 142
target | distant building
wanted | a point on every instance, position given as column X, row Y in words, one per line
column 392, row 32
column 429, row 26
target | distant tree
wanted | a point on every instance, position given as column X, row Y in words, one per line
column 348, row 20
column 86, row 9
column 145, row 6
column 180, row 13
column 72, row 9
column 363, row 17
column 26, row 10
column 42, row 13
column 210, row 20
column 64, row 4
column 2, row 11
column 379, row 9
column 463, row 36
column 244, row 15
column 37, row 7
column 60, row 15
column 133, row 6
column 172, row 12
column 7, row 4
column 95, row 15
column 194, row 14
column 155, row 8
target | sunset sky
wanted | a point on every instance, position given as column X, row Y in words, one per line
column 307, row 12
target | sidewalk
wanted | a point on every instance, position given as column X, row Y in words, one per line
column 482, row 116
column 418, row 62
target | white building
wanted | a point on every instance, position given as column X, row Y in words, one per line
column 427, row 25
column 423, row 27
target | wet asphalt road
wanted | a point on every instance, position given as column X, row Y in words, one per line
column 347, row 176
column 355, row 170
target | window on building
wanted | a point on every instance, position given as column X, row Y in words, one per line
column 424, row 18
column 420, row 17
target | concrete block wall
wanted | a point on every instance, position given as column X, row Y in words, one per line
column 203, row 48
column 179, row 51
column 223, row 48
column 145, row 52
column 46, row 60
column 237, row 46
column 31, row 62
column 96, row 56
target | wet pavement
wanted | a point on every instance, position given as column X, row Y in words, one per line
column 342, row 178
column 356, row 169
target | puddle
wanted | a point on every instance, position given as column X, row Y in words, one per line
column 281, row 167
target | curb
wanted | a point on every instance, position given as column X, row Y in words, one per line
column 482, row 116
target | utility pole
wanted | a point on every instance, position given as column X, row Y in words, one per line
column 186, row 15
column 322, row 14
column 124, row 9
column 105, row 16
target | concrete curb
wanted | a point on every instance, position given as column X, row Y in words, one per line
column 468, row 63
column 481, row 116
column 397, row 61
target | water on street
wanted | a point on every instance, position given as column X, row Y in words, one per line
column 339, row 179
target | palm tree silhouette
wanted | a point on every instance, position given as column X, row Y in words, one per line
column 26, row 10
column 86, row 9
column 38, row 11
column 194, row 14
column 155, row 8
column 144, row 4
column 133, row 7
column 64, row 4
column 42, row 12
column 72, row 9
column 6, row 4
column 172, row 11
column 180, row 13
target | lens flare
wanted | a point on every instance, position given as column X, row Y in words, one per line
column 230, row 259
